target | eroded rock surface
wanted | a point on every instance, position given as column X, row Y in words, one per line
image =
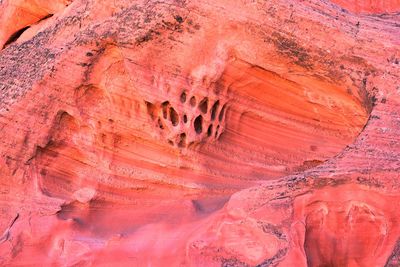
column 199, row 133
column 370, row 6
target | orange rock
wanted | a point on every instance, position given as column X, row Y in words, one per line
column 199, row 133
column 18, row 15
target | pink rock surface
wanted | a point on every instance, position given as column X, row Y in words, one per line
column 199, row 133
column 370, row 6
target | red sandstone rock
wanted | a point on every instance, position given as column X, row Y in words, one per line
column 18, row 15
column 199, row 133
column 370, row 6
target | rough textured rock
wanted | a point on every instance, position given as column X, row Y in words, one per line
column 370, row 6
column 199, row 133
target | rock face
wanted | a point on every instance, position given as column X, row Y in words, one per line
column 199, row 133
column 370, row 6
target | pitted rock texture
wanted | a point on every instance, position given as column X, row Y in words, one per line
column 193, row 120
column 199, row 133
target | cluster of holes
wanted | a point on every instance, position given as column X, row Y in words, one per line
column 194, row 122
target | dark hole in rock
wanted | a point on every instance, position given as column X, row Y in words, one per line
column 185, row 118
column 173, row 115
column 209, row 130
column 164, row 107
column 151, row 108
column 221, row 114
column 192, row 101
column 182, row 140
column 170, row 142
column 160, row 124
column 183, row 97
column 15, row 36
column 216, row 131
column 203, row 105
column 214, row 110
column 198, row 124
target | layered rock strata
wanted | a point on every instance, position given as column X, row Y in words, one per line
column 199, row 133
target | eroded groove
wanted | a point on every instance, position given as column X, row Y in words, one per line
column 209, row 130
column 14, row 37
column 222, row 113
column 164, row 107
column 203, row 105
column 173, row 115
column 192, row 101
column 214, row 110
column 182, row 140
column 183, row 97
